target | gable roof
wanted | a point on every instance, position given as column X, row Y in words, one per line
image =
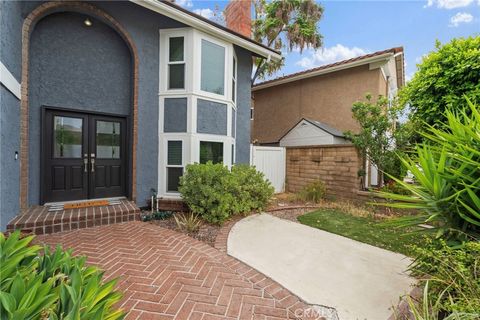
column 341, row 65
column 174, row 11
column 323, row 126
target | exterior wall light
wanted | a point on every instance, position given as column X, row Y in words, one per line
column 87, row 22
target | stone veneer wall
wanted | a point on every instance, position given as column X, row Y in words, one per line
column 336, row 165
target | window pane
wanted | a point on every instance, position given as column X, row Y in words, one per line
column 108, row 140
column 174, row 153
column 234, row 122
column 234, row 87
column 211, row 151
column 176, row 49
column 173, row 178
column 234, row 68
column 67, row 137
column 176, row 76
column 213, row 68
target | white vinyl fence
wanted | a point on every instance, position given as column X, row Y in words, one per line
column 270, row 161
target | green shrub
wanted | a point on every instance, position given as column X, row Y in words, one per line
column 216, row 193
column 51, row 285
column 252, row 191
column 447, row 175
column 206, row 188
column 453, row 275
column 314, row 191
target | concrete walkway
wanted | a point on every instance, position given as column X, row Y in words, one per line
column 358, row 280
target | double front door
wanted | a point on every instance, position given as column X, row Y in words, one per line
column 84, row 156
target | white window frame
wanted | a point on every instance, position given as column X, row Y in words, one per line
column 170, row 63
column 164, row 59
column 234, row 78
column 226, row 96
column 164, row 180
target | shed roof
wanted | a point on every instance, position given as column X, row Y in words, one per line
column 325, row 127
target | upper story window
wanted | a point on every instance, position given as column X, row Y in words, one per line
column 212, row 68
column 234, row 80
column 176, row 63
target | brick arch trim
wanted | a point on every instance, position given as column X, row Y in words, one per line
column 29, row 23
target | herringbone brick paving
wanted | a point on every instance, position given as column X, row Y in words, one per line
column 168, row 275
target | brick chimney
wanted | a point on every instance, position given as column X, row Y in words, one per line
column 238, row 16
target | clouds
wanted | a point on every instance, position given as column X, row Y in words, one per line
column 184, row 3
column 459, row 18
column 206, row 13
column 449, row 4
column 329, row 55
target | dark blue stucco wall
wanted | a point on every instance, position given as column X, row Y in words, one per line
column 244, row 94
column 9, row 167
column 10, row 55
column 74, row 67
column 211, row 117
column 175, row 115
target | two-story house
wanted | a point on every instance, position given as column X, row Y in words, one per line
column 110, row 99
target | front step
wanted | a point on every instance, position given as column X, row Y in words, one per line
column 39, row 220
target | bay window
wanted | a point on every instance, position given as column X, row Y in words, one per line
column 197, row 104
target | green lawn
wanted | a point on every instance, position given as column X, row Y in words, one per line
column 367, row 230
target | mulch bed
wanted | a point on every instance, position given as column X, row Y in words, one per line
column 207, row 232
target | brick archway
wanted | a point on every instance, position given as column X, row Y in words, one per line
column 29, row 23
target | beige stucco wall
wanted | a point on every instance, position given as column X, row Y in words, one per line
column 327, row 98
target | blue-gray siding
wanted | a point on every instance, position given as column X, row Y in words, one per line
column 211, row 117
column 9, row 167
column 10, row 55
column 175, row 115
column 244, row 95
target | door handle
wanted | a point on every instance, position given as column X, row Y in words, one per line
column 92, row 162
column 85, row 162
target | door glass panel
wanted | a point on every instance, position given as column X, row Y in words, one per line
column 67, row 135
column 108, row 140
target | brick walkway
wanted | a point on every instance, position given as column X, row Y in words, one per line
column 168, row 275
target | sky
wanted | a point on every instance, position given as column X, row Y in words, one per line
column 353, row 28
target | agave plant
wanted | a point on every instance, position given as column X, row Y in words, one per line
column 52, row 285
column 447, row 174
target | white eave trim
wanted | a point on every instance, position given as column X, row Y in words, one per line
column 306, row 75
column 178, row 15
column 8, row 81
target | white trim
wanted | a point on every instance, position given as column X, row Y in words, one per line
column 323, row 71
column 192, row 21
column 9, row 81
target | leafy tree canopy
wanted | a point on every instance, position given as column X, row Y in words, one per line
column 285, row 24
column 380, row 136
column 443, row 78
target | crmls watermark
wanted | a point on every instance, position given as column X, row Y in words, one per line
column 316, row 313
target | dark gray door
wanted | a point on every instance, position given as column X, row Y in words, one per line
column 107, row 156
column 84, row 156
